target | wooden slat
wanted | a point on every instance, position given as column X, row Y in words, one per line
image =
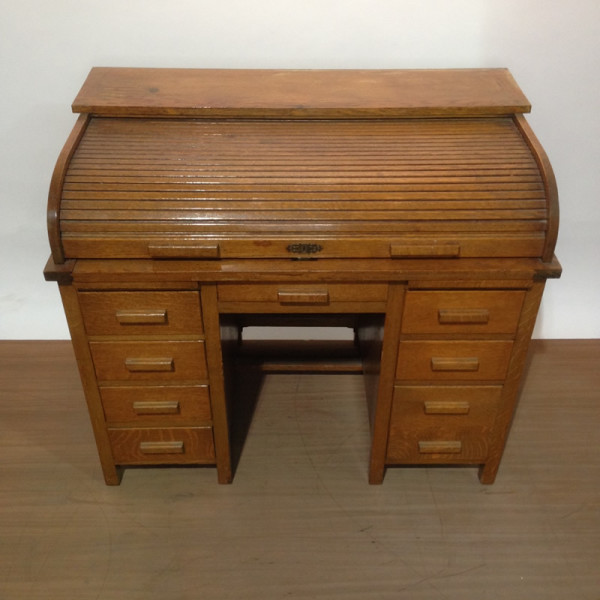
column 232, row 178
column 301, row 356
column 297, row 204
column 240, row 229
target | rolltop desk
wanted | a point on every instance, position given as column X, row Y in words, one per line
column 416, row 207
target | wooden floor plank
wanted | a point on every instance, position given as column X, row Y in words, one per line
column 300, row 520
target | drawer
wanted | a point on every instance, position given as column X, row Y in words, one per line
column 438, row 312
column 155, row 404
column 125, row 361
column 283, row 297
column 453, row 360
column 141, row 313
column 154, row 446
column 442, row 423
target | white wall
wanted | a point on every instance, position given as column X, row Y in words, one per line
column 47, row 48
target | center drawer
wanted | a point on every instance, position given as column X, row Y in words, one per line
column 150, row 360
column 283, row 297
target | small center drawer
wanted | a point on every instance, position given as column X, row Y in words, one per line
column 453, row 360
column 139, row 313
column 124, row 361
column 302, row 293
column 465, row 311
column 278, row 297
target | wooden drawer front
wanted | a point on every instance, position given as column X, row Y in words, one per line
column 442, row 423
column 436, row 312
column 155, row 404
column 141, row 313
column 153, row 446
column 453, row 360
column 124, row 361
column 307, row 295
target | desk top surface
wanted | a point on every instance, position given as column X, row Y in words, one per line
column 299, row 93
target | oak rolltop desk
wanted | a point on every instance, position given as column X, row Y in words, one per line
column 416, row 207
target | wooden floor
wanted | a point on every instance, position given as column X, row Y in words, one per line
column 300, row 520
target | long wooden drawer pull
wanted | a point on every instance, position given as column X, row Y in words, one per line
column 455, row 364
column 308, row 297
column 175, row 447
column 167, row 407
column 184, row 250
column 447, row 407
column 463, row 316
column 440, row 447
column 141, row 365
column 142, row 317
column 449, row 250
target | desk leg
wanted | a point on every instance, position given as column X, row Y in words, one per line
column 112, row 475
column 214, row 358
column 514, row 375
column 379, row 365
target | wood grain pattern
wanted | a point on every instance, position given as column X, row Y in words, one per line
column 300, row 498
column 466, row 312
column 56, row 186
column 513, row 380
column 473, row 360
column 112, row 476
column 425, row 417
column 149, row 405
column 323, row 293
column 137, row 185
column 549, row 183
column 382, row 355
column 218, row 338
column 127, row 313
column 164, row 360
column 153, row 446
column 468, row 273
column 299, row 94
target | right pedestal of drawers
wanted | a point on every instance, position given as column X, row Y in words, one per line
column 459, row 358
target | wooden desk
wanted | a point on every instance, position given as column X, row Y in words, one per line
column 416, row 207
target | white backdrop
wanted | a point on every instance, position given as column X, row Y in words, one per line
column 552, row 48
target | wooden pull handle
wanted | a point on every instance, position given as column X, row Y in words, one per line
column 308, row 297
column 141, row 365
column 455, row 364
column 142, row 317
column 182, row 250
column 175, row 447
column 463, row 316
column 440, row 447
column 443, row 250
column 166, row 407
column 447, row 407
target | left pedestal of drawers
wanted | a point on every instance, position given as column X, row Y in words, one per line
column 142, row 359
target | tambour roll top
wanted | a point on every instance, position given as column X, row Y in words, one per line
column 302, row 164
